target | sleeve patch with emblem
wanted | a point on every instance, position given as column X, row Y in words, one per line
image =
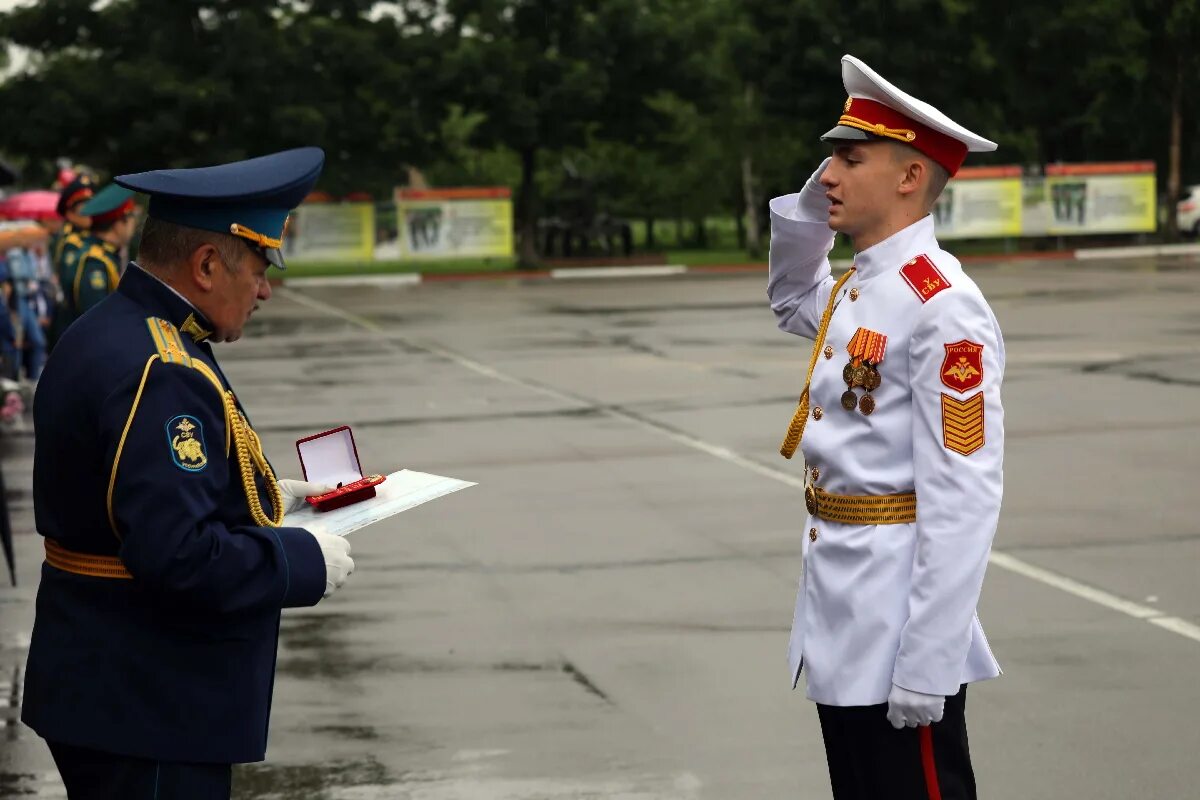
column 924, row 277
column 185, row 435
column 962, row 369
column 98, row 280
column 962, row 423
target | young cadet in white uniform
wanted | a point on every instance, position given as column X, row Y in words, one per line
column 902, row 433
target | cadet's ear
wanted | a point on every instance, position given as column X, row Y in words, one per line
column 202, row 266
column 914, row 177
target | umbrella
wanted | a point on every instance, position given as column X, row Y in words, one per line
column 38, row 204
column 6, row 534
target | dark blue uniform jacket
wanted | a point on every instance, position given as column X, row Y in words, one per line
column 132, row 460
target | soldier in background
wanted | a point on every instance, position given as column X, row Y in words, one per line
column 95, row 277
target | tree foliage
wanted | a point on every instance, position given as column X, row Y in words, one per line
column 666, row 109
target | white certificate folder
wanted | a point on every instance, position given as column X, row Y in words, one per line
column 401, row 491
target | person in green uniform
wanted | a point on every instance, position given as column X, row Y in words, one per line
column 64, row 247
column 70, row 203
column 113, row 217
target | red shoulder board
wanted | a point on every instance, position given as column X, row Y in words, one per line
column 924, row 278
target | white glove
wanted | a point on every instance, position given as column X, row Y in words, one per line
column 813, row 204
column 294, row 492
column 338, row 564
column 908, row 708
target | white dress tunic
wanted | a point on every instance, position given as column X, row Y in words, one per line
column 884, row 604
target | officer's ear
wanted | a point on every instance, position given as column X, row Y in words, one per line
column 203, row 265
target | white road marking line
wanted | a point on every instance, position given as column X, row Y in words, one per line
column 1003, row 560
column 1177, row 625
column 1136, row 610
column 333, row 311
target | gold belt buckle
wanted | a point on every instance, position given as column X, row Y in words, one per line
column 810, row 499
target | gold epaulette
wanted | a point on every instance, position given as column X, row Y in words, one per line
column 167, row 340
column 238, row 433
column 97, row 251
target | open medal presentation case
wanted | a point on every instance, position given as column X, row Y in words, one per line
column 332, row 458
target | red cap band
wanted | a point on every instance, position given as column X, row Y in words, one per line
column 880, row 120
column 114, row 214
column 78, row 196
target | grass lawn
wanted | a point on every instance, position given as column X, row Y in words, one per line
column 711, row 256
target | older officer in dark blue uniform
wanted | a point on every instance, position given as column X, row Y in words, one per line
column 153, row 654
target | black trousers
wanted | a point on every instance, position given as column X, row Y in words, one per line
column 871, row 760
column 96, row 775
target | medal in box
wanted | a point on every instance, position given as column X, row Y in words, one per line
column 332, row 458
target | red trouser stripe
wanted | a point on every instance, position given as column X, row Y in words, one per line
column 931, row 778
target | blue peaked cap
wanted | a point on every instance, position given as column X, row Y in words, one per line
column 250, row 199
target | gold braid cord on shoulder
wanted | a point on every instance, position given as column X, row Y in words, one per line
column 238, row 432
column 248, row 447
column 796, row 429
column 250, row 456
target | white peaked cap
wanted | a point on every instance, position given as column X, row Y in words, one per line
column 902, row 117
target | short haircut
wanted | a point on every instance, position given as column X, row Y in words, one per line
column 165, row 245
column 101, row 227
column 939, row 176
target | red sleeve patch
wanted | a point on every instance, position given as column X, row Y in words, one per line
column 962, row 369
column 924, row 278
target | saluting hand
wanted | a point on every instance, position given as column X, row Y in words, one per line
column 812, row 200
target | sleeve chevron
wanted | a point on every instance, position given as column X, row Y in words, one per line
column 963, row 423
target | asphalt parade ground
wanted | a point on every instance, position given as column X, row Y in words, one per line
column 605, row 615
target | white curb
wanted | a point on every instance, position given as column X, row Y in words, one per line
column 376, row 281
column 581, row 273
column 1167, row 250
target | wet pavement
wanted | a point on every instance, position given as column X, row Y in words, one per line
column 606, row 614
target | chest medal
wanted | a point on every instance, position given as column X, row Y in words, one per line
column 866, row 349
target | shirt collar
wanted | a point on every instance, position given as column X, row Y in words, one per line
column 896, row 250
column 163, row 300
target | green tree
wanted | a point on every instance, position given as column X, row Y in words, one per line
column 137, row 84
column 549, row 75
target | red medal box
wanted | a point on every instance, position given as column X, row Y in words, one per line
column 332, row 458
